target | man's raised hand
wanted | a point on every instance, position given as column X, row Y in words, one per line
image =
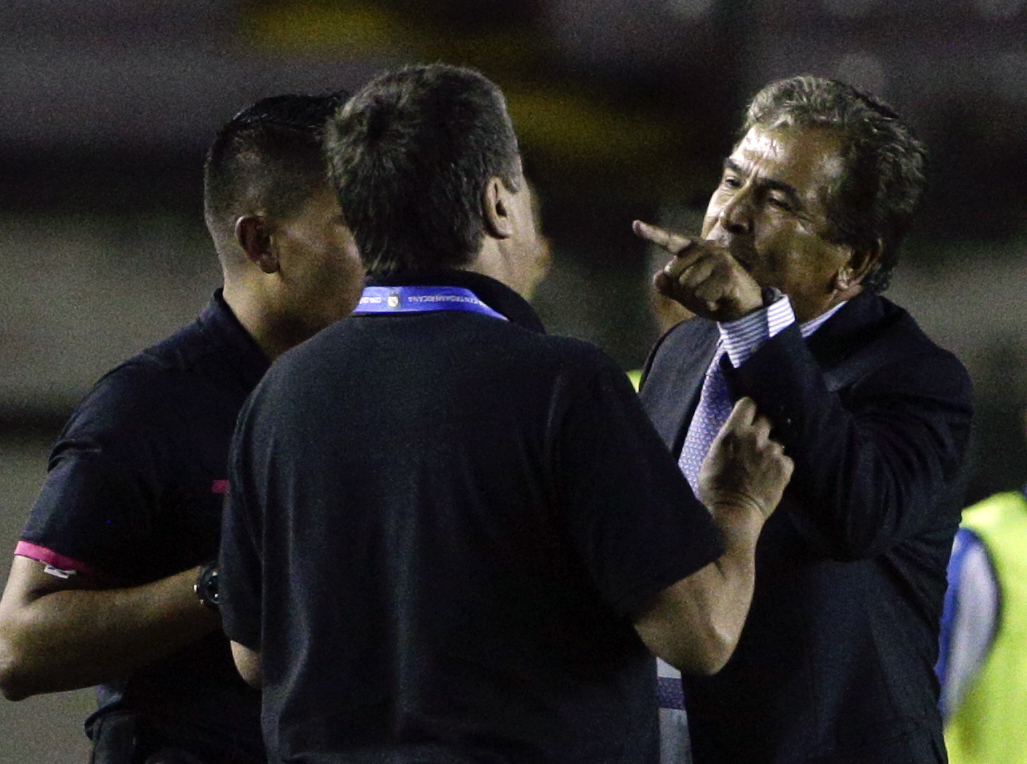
column 744, row 467
column 703, row 276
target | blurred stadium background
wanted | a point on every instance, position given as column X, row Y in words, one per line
column 625, row 110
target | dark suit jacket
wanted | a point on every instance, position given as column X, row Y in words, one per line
column 835, row 661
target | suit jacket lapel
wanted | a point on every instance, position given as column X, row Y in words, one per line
column 674, row 378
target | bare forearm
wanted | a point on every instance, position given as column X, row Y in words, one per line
column 734, row 573
column 73, row 638
column 699, row 633
column 695, row 624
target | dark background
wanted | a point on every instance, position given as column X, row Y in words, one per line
column 625, row 109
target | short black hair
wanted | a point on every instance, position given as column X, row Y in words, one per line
column 410, row 156
column 269, row 155
column 885, row 165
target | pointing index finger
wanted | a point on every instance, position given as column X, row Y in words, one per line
column 672, row 242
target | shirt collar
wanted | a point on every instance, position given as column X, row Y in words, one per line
column 220, row 324
column 811, row 326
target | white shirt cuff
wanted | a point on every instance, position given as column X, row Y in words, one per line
column 743, row 337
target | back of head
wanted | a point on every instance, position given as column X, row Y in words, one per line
column 410, row 156
column 884, row 177
column 267, row 160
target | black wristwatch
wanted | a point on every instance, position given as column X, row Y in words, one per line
column 206, row 586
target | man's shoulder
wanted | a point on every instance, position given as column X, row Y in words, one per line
column 155, row 379
column 180, row 351
column 490, row 339
column 684, row 351
column 693, row 335
column 566, row 349
column 873, row 317
column 567, row 362
column 875, row 332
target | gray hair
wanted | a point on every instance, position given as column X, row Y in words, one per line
column 884, row 179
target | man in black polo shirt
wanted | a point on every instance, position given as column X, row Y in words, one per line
column 101, row 589
column 449, row 537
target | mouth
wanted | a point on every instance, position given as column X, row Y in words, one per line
column 746, row 264
column 742, row 252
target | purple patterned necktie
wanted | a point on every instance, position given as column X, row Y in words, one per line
column 713, row 410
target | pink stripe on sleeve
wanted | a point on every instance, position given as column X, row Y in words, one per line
column 48, row 556
column 219, row 487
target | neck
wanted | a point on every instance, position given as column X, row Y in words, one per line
column 494, row 262
column 253, row 313
column 805, row 313
column 485, row 261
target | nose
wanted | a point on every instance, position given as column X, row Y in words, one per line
column 736, row 214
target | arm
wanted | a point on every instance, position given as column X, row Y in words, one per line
column 239, row 563
column 247, row 661
column 61, row 634
column 694, row 624
column 877, row 422
column 878, row 452
column 968, row 621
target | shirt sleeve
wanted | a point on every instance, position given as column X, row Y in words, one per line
column 969, row 619
column 631, row 512
column 94, row 510
column 240, row 555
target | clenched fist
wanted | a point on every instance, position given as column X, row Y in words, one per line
column 703, row 276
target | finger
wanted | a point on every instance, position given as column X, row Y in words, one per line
column 664, row 284
column 672, row 242
column 787, row 467
column 762, row 427
column 670, row 285
column 686, row 259
column 704, row 280
column 741, row 415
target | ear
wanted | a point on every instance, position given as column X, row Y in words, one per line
column 496, row 210
column 860, row 263
column 254, row 236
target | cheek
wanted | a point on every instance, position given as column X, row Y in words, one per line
column 777, row 256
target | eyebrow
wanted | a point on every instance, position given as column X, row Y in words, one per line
column 774, row 185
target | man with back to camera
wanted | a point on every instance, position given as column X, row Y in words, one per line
column 835, row 661
column 449, row 537
column 101, row 589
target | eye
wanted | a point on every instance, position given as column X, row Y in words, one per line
column 779, row 202
column 731, row 181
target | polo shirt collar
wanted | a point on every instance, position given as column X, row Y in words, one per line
column 495, row 294
column 220, row 324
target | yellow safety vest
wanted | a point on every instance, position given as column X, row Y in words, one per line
column 990, row 727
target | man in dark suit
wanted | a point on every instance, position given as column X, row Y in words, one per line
column 835, row 660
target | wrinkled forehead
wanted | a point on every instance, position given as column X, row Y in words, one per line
column 807, row 158
column 794, row 144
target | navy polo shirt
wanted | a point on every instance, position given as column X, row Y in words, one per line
column 134, row 493
column 439, row 525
